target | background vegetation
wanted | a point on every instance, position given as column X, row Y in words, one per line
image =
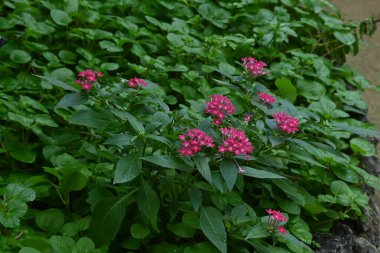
column 100, row 171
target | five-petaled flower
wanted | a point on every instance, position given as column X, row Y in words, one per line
column 219, row 106
column 136, row 83
column 87, row 78
column 286, row 123
column 235, row 142
column 193, row 140
column 267, row 98
column 254, row 67
column 275, row 218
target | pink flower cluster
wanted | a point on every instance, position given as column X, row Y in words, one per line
column 275, row 218
column 254, row 67
column 87, row 78
column 286, row 123
column 247, row 118
column 267, row 98
column 136, row 83
column 235, row 142
column 218, row 107
column 193, row 140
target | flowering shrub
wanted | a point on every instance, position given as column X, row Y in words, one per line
column 254, row 67
column 235, row 142
column 88, row 78
column 136, row 82
column 286, row 123
column 193, row 141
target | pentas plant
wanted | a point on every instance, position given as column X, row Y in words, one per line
column 87, row 78
column 254, row 67
column 233, row 162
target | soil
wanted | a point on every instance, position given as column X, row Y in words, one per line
column 367, row 60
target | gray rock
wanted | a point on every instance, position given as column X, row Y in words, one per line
column 361, row 245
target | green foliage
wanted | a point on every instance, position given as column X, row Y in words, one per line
column 99, row 171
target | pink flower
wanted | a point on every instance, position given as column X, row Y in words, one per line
column 219, row 106
column 86, row 86
column 136, row 83
column 235, row 142
column 281, row 229
column 275, row 218
column 247, row 118
column 254, row 67
column 87, row 78
column 286, row 123
column 193, row 140
column 267, row 98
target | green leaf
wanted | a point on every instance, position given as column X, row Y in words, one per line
column 72, row 99
column 11, row 212
column 138, row 231
column 362, row 147
column 340, row 188
column 251, row 172
column 73, row 182
column 229, row 171
column 348, row 38
column 20, row 192
column 109, row 66
column 302, row 231
column 148, row 202
column 127, row 168
column 166, row 161
column 109, row 46
column 196, row 198
column 357, row 130
column 216, row 15
column 107, row 218
column 19, row 56
column 212, row 226
column 310, row 89
column 181, row 230
column 60, row 17
column 257, row 231
column 286, row 89
column 50, row 220
column 202, row 165
column 290, row 238
column 90, row 118
column 135, row 123
column 85, row 245
column 28, row 250
column 62, row 244
column 57, row 83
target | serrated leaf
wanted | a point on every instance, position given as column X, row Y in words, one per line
column 212, row 226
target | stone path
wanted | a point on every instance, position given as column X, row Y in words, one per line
column 368, row 59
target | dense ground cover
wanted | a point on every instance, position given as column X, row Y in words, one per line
column 206, row 152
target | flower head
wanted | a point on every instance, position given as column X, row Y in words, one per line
column 219, row 106
column 254, row 67
column 193, row 140
column 267, row 98
column 235, row 142
column 275, row 218
column 87, row 78
column 286, row 123
column 247, row 118
column 136, row 83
